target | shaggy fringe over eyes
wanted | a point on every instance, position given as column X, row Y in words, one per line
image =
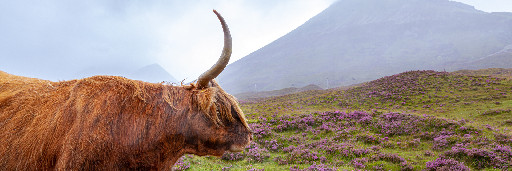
column 217, row 106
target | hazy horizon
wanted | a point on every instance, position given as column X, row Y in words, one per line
column 56, row 40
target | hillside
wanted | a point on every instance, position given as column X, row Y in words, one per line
column 495, row 72
column 416, row 120
column 258, row 95
column 453, row 95
column 354, row 41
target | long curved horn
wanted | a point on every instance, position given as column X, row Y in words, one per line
column 215, row 70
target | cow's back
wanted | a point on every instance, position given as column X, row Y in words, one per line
column 31, row 127
column 70, row 124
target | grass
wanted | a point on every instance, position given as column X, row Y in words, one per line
column 405, row 121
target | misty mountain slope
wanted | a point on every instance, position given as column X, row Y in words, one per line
column 500, row 59
column 354, row 41
column 291, row 90
column 151, row 73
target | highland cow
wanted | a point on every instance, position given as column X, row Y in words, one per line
column 114, row 123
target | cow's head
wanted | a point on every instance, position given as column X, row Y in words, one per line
column 219, row 123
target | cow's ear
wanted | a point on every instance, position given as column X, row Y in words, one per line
column 205, row 99
column 235, row 114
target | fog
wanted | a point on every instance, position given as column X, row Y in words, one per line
column 60, row 40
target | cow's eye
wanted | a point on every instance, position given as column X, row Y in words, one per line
column 235, row 115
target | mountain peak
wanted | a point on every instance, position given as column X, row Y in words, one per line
column 353, row 41
column 152, row 73
column 350, row 12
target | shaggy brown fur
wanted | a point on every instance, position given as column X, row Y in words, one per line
column 112, row 123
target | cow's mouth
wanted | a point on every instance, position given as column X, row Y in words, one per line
column 236, row 148
column 240, row 147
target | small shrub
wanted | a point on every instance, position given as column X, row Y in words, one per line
column 229, row 156
column 255, row 153
column 181, row 164
column 446, row 164
column 360, row 163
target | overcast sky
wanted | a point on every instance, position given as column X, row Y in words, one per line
column 55, row 39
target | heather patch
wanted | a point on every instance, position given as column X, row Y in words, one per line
column 446, row 164
column 418, row 120
column 357, row 139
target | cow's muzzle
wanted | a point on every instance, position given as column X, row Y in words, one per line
column 241, row 147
